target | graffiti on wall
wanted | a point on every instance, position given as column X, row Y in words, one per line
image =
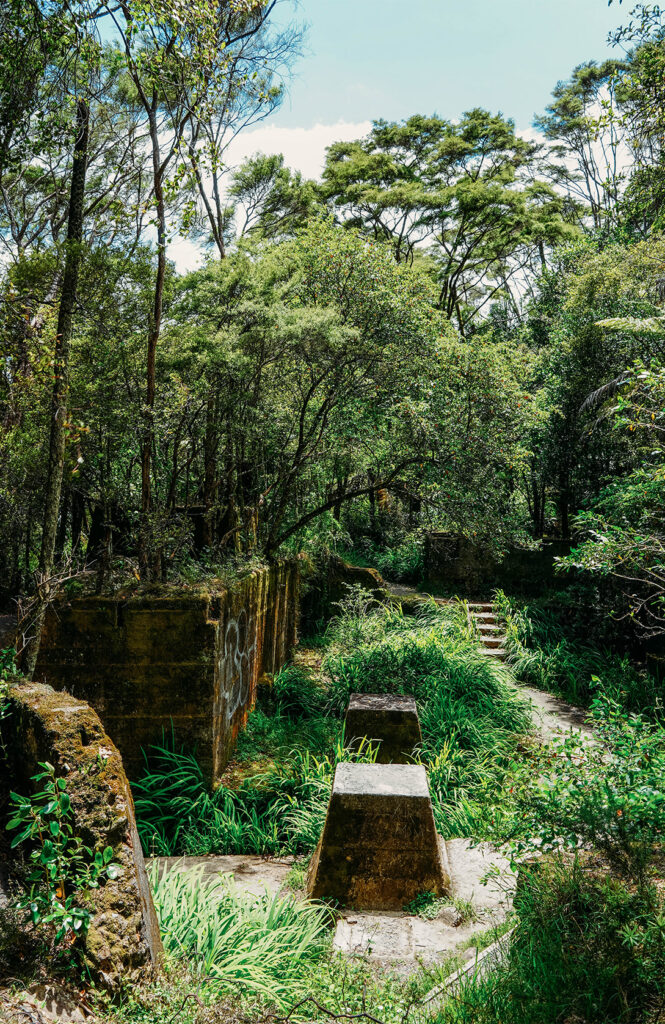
column 236, row 661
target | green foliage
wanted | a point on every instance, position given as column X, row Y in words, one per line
column 264, row 944
column 607, row 794
column 400, row 562
column 543, row 654
column 280, row 810
column 585, row 947
column 63, row 869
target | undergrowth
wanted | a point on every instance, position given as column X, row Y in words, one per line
column 275, row 796
column 544, row 654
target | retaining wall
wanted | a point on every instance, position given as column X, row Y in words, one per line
column 190, row 661
column 469, row 568
column 122, row 943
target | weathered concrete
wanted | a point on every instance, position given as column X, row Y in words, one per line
column 251, row 874
column 379, row 847
column 329, row 583
column 122, row 943
column 391, row 720
column 463, row 565
column 188, row 660
column 402, row 942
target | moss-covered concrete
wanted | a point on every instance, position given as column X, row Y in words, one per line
column 379, row 847
column 329, row 583
column 188, row 660
column 122, row 944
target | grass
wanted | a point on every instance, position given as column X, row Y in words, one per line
column 588, row 939
column 262, row 945
column 544, row 653
column 585, row 948
column 274, row 797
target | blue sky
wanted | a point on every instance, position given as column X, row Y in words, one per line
column 392, row 58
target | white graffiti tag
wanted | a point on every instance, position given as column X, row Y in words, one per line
column 236, row 662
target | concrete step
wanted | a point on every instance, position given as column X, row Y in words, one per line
column 488, row 627
column 484, row 617
column 493, row 642
column 497, row 652
column 480, row 607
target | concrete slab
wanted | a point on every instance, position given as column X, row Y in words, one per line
column 381, row 780
column 253, row 875
column 468, row 865
column 401, row 941
column 391, row 720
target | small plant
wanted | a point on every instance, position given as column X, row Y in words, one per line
column 62, row 868
column 426, row 905
column 608, row 795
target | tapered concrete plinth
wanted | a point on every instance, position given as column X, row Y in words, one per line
column 379, row 847
column 391, row 720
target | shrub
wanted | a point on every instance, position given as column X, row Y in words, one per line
column 543, row 655
column 607, row 794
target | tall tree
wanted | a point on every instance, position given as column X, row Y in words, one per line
column 463, row 189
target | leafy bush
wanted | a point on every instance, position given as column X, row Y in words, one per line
column 541, row 654
column 400, row 562
column 589, row 942
column 586, row 947
column 607, row 794
column 262, row 944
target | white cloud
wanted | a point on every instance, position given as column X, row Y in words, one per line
column 304, row 150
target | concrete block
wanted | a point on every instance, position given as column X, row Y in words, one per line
column 379, row 847
column 391, row 720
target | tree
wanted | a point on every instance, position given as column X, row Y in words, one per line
column 175, row 55
column 583, row 123
column 464, row 189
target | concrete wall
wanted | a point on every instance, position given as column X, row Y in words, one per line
column 122, row 944
column 187, row 660
column 457, row 562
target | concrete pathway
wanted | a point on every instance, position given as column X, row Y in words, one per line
column 553, row 716
column 253, row 875
column 390, row 939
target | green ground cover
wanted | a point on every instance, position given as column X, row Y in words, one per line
column 475, row 738
column 547, row 651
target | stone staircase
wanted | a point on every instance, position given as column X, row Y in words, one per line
column 483, row 618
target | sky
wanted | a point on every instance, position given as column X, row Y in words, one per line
column 368, row 59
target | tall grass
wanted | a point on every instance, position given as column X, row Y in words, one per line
column 542, row 654
column 472, row 723
column 236, row 941
column 281, row 811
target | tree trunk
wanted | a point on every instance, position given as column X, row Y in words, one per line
column 60, row 393
column 150, row 559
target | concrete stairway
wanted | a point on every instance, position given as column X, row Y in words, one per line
column 483, row 618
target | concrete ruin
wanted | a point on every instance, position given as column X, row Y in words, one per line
column 391, row 720
column 379, row 847
column 122, row 944
column 163, row 660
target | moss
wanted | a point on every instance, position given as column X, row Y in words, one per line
column 123, row 941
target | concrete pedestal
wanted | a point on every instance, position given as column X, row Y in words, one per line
column 379, row 847
column 391, row 720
